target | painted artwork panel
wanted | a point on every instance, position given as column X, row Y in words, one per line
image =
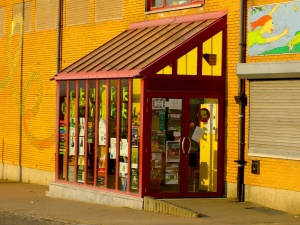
column 272, row 29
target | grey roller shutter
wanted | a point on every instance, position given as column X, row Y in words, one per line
column 274, row 119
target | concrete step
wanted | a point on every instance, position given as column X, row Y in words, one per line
column 160, row 206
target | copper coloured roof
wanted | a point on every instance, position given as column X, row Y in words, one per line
column 145, row 47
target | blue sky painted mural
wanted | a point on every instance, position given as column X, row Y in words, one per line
column 274, row 29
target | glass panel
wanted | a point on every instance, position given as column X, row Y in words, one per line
column 187, row 64
column 91, row 132
column 203, row 115
column 166, row 71
column 62, row 151
column 102, row 152
column 81, row 132
column 157, row 3
column 176, row 2
column 123, row 129
column 212, row 56
column 72, row 131
column 112, row 135
column 160, row 3
column 135, row 134
column 165, row 151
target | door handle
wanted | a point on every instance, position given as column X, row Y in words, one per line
column 182, row 145
column 190, row 145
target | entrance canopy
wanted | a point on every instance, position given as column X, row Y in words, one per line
column 145, row 47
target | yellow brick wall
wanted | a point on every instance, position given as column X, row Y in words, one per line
column 274, row 173
column 9, row 90
column 39, row 66
column 36, row 106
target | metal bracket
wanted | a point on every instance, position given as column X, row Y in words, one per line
column 241, row 162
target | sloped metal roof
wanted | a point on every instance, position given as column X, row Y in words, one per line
column 145, row 47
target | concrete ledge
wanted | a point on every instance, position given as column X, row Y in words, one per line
column 268, row 70
column 274, row 198
column 29, row 175
column 83, row 194
column 283, row 200
column 160, row 206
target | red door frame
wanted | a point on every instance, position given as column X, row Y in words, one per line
column 147, row 144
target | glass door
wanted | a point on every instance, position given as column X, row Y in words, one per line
column 184, row 146
column 202, row 149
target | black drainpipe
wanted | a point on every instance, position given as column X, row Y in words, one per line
column 241, row 99
column 59, row 36
column 21, row 93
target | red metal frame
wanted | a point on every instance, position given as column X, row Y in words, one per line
column 147, row 154
column 212, row 87
column 96, row 132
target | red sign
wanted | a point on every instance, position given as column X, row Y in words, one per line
column 203, row 115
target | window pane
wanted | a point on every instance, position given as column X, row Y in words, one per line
column 157, row 3
column 136, row 121
column 17, row 17
column 212, row 56
column 166, row 71
column 77, row 12
column 91, row 131
column 112, row 135
column 187, row 64
column 203, row 164
column 165, row 155
column 123, row 129
column 102, row 151
column 72, row 130
column 81, row 132
column 62, row 151
column 176, row 2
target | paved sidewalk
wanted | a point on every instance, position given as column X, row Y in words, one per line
column 31, row 200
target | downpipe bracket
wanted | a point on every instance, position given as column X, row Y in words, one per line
column 241, row 163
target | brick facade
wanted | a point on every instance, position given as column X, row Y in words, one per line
column 28, row 62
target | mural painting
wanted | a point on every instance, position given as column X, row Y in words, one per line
column 274, row 29
column 14, row 57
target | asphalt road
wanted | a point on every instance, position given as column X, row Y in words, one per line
column 10, row 218
column 27, row 204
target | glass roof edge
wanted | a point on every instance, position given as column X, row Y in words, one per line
column 97, row 75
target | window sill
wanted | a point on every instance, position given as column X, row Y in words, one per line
column 154, row 11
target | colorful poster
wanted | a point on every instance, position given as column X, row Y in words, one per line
column 113, row 148
column 81, row 126
column 124, row 147
column 173, row 151
column 172, row 171
column 158, row 103
column 123, row 169
column 175, row 103
column 158, row 141
column 156, row 160
column 81, row 145
column 134, row 179
column 102, row 132
column 273, row 30
column 174, row 120
column 134, row 157
column 72, row 146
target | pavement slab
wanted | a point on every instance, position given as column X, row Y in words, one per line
column 31, row 200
